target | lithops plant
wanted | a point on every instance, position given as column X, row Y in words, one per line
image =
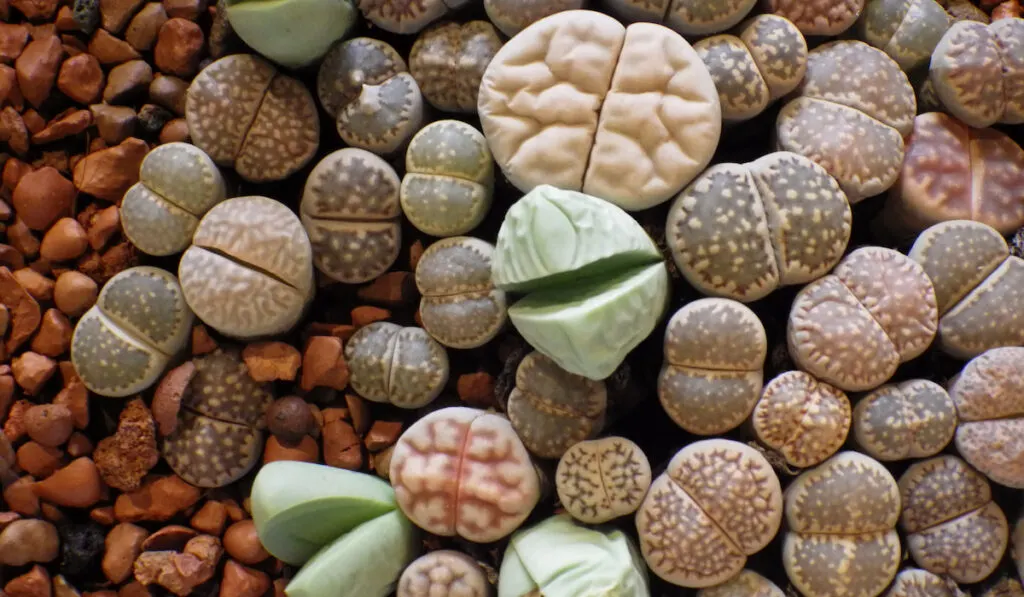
column 906, row 30
column 460, row 307
column 818, row 17
column 139, row 323
column 444, row 573
column 688, row 17
column 449, row 179
column 351, row 64
column 841, row 537
column 953, row 527
column 246, row 115
column 249, row 271
column 602, row 479
column 293, row 33
column 765, row 60
column 855, row 326
column 714, row 365
column 977, row 285
column 448, row 61
column 852, row 125
column 463, row 472
column 911, row 419
column 718, row 502
column 764, row 213
column 512, row 16
column 399, row 365
column 914, row 582
column 351, row 211
column 406, row 16
column 621, row 132
column 745, row 584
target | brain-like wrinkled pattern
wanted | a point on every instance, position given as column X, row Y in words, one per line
column 803, row 419
column 443, row 573
column 819, row 17
column 284, row 134
column 600, row 480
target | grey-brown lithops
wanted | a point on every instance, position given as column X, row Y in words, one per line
column 953, row 527
column 552, row 409
column 977, row 286
column 449, row 179
column 855, row 326
column 460, row 307
column 124, row 342
column 743, row 230
column 714, row 365
column 444, row 573
column 602, row 479
column 745, row 584
column 448, row 61
column 219, row 435
column 351, row 64
column 819, row 17
column 841, row 538
column 351, row 212
column 403, row 366
column 512, row 16
column 718, row 502
column 178, row 183
column 406, row 16
column 245, row 114
column 914, row 582
column 912, row 419
column 249, row 271
column 688, row 17
column 906, row 30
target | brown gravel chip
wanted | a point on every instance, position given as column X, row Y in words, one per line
column 342, row 448
column 158, row 500
column 172, row 537
column 77, row 485
column 124, row 458
column 306, row 451
column 239, row 581
column 111, row 50
column 64, row 241
column 26, row 541
column 74, row 292
column 42, row 196
column 37, row 459
column 49, row 424
column 54, row 337
column 168, row 395
column 179, row 48
column 242, row 543
column 123, row 544
column 76, row 397
column 210, row 519
column 115, row 14
column 34, row 583
column 81, row 78
column 127, row 82
column 145, row 26
column 32, row 370
column 65, row 125
column 323, row 364
column 272, row 361
column 38, row 285
column 37, row 69
column 13, row 38
column 107, row 174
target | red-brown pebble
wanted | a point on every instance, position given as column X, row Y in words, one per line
column 74, row 292
column 210, row 519
column 102, row 225
column 38, row 285
column 49, row 424
column 306, row 451
column 158, row 500
column 272, row 361
column 382, row 434
column 123, row 544
column 42, row 196
column 367, row 314
column 179, row 47
column 103, row 515
column 342, row 448
column 20, row 498
column 65, row 240
column 323, row 364
column 124, row 458
column 13, row 38
column 54, row 337
column 67, row 124
column 75, row 396
column 243, row 544
column 32, row 370
column 77, row 485
column 79, row 445
column 37, row 69
column 34, row 583
column 38, row 460
column 81, row 78
column 175, row 131
column 240, row 581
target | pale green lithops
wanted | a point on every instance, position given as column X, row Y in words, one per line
column 912, row 419
column 399, row 365
column 444, row 573
column 914, row 582
column 125, row 341
column 448, row 61
column 602, row 479
column 841, row 538
column 292, row 33
column 178, row 183
column 906, row 30
column 559, row 558
column 689, row 17
column 595, row 281
column 745, row 584
column 449, row 179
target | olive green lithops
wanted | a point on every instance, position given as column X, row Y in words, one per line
column 405, row 16
column 292, row 33
column 914, row 582
column 911, row 419
column 448, row 61
column 745, row 584
column 818, row 17
column 399, row 365
column 602, row 479
column 124, row 342
column 444, row 573
column 449, row 179
column 689, row 17
column 906, row 30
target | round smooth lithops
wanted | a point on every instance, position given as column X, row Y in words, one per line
column 718, row 502
column 714, row 365
column 602, row 479
column 688, row 17
column 403, row 366
column 818, row 17
column 841, row 538
column 449, row 179
column 246, row 115
column 853, row 327
column 444, row 573
column 351, row 212
column 906, row 30
column 124, row 342
column 448, row 61
column 463, row 472
column 460, row 307
column 745, row 584
column 405, row 16
column 914, row 582
column 912, row 419
column 512, row 16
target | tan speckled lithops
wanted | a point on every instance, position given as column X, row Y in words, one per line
column 245, row 114
column 351, row 211
column 124, row 342
column 402, row 366
column 912, row 419
column 854, row 327
column 449, row 59
column 405, row 16
column 977, row 286
column 914, row 582
column 460, row 307
column 218, row 438
column 745, row 584
column 841, row 518
column 552, row 409
column 819, row 17
column 449, row 179
column 953, row 527
column 444, row 573
column 602, row 479
column 714, row 365
column 906, row 30
column 689, row 17
column 512, row 16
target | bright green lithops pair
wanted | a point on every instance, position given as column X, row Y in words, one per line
column 343, row 527
column 595, row 282
column 292, row 33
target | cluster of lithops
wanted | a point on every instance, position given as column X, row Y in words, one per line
column 911, row 419
column 819, row 17
column 906, row 30
column 398, row 365
column 688, row 17
column 602, row 479
column 292, row 33
column 448, row 61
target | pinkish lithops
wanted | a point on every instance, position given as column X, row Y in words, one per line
column 717, row 503
column 818, row 17
column 406, row 16
column 246, row 115
column 444, row 573
column 953, row 527
column 911, row 419
column 463, row 472
column 977, row 286
column 512, row 16
column 841, row 538
column 714, row 365
column 906, row 30
column 688, row 17
column 448, row 61
column 602, row 479
column 914, row 582
column 399, row 365
column 745, row 584
column 855, row 326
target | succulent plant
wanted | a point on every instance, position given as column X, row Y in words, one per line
column 1017, row 546
column 622, row 131
column 906, row 30
column 448, row 61
column 914, row 582
column 819, row 17
column 512, row 16
column 352, row 64
column 444, row 573
column 403, row 366
column 912, row 419
column 293, row 33
column 124, row 342
column 745, row 584
column 688, row 17
column 406, row 16
column 602, row 479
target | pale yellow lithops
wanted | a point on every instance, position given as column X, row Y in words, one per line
column 911, row 419
column 602, row 479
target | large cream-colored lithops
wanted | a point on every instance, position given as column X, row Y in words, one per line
column 912, row 419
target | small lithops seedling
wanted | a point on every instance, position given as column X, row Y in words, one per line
column 977, row 286
column 765, row 60
column 743, row 230
column 841, row 537
column 718, row 502
column 293, row 33
column 463, row 472
column 914, row 582
column 512, row 16
column 953, row 527
column 819, row 17
column 460, row 307
column 602, row 479
column 406, row 16
column 401, row 366
column 246, row 115
column 351, row 211
column 249, row 271
column 745, row 584
column 906, row 30
column 912, row 419
column 688, row 17
column 855, row 326
column 449, row 179
column 448, row 61
column 139, row 323
column 714, row 365
column 444, row 573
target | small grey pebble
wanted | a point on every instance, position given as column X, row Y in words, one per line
column 86, row 14
column 152, row 118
